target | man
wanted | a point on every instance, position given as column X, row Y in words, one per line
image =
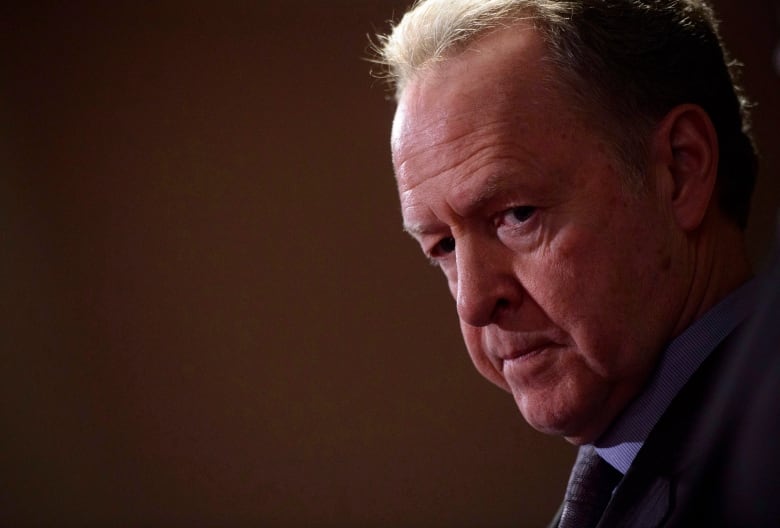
column 581, row 172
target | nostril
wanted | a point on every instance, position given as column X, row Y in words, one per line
column 502, row 304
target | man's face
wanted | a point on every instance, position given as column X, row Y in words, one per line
column 564, row 279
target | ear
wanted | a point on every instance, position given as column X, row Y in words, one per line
column 685, row 150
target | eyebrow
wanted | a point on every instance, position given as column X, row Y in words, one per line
column 488, row 191
column 496, row 184
column 470, row 200
column 418, row 229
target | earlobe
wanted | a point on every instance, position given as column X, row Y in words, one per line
column 687, row 150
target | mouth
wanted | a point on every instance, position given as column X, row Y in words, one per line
column 524, row 354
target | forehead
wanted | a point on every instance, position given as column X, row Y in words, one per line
column 499, row 90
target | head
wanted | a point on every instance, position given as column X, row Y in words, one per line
column 628, row 62
column 560, row 162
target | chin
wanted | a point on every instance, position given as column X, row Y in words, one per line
column 576, row 425
column 544, row 422
column 573, row 435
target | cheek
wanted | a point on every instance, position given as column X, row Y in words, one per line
column 566, row 279
column 586, row 291
column 473, row 337
column 609, row 298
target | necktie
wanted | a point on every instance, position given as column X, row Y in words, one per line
column 590, row 488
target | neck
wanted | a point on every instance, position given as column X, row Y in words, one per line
column 719, row 265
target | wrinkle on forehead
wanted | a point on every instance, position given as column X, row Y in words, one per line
column 448, row 101
column 454, row 148
column 427, row 110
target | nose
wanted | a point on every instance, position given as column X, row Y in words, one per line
column 486, row 284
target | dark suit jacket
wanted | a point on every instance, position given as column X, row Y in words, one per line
column 738, row 482
column 714, row 457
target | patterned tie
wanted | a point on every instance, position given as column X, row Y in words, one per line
column 590, row 488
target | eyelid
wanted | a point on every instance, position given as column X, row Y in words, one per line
column 504, row 218
column 436, row 254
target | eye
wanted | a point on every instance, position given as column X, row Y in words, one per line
column 518, row 215
column 443, row 247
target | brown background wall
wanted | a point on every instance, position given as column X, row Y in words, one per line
column 209, row 313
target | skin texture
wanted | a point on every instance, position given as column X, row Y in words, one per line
column 568, row 284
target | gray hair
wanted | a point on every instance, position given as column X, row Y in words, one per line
column 631, row 60
column 435, row 29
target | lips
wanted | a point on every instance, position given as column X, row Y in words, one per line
column 521, row 348
column 527, row 351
